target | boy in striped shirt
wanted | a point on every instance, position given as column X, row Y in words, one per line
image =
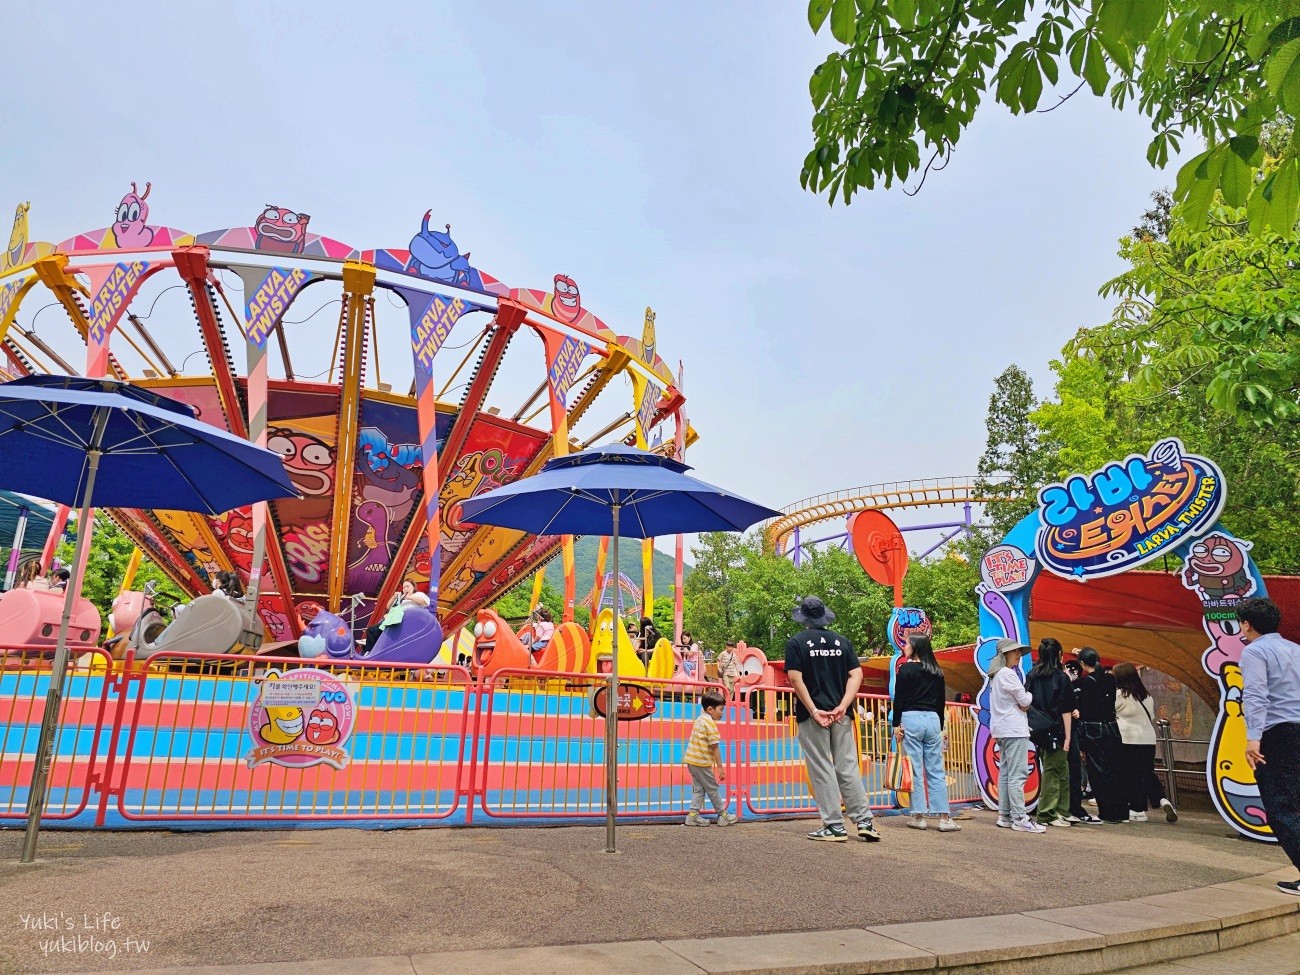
column 703, row 756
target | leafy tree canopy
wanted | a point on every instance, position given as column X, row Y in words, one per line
column 1210, row 313
column 909, row 76
column 1014, row 461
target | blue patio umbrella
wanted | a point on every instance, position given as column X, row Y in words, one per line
column 614, row 490
column 92, row 442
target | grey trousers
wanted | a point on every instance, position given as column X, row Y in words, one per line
column 1013, row 772
column 831, row 755
column 704, row 781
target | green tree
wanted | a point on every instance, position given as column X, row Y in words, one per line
column 1210, row 314
column 1015, row 460
column 110, row 550
column 709, row 593
column 514, row 605
column 944, row 587
column 910, row 75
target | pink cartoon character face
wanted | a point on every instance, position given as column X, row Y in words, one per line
column 281, row 230
column 310, row 462
column 1228, row 644
column 567, row 305
column 129, row 223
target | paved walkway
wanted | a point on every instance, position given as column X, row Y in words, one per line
column 675, row 900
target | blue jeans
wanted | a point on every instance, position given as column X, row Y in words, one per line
column 923, row 742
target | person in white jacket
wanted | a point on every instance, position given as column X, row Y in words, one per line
column 1009, row 724
column 1135, row 715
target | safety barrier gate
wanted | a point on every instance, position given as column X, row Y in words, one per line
column 166, row 741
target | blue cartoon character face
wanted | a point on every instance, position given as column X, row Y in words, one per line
column 435, row 255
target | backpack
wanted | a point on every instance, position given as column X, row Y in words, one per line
column 1045, row 731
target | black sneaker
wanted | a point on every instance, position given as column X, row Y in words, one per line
column 867, row 831
column 1089, row 820
column 829, row 834
column 1289, row 887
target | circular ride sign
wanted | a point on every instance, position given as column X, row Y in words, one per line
column 301, row 718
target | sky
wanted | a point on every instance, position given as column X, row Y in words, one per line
column 650, row 151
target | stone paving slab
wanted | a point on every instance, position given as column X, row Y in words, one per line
column 997, row 938
column 623, row 957
column 847, row 952
column 1241, row 904
column 1122, row 922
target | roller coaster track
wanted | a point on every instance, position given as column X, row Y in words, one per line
column 891, row 496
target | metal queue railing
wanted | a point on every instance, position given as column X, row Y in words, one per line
column 1167, row 762
column 85, row 738
column 167, row 740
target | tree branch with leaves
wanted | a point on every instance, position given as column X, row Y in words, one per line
column 910, row 75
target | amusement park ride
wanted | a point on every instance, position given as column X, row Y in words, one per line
column 376, row 465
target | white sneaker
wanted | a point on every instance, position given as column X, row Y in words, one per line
column 1004, row 823
column 946, row 825
column 1027, row 826
column 1171, row 814
column 918, row 822
column 1137, row 817
column 1061, row 822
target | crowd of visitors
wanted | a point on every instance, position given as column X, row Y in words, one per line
column 1082, row 719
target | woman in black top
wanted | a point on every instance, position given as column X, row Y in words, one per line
column 918, row 714
column 1099, row 737
column 1053, row 707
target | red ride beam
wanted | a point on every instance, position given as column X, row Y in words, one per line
column 192, row 265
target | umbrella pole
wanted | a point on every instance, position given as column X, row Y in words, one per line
column 58, row 672
column 611, row 708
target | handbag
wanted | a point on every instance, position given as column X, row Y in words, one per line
column 898, row 772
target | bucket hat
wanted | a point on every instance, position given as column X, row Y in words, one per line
column 1003, row 647
column 811, row 611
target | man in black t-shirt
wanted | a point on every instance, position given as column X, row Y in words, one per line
column 824, row 670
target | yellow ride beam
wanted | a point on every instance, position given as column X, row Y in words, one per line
column 358, row 288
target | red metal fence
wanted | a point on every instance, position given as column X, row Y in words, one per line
column 167, row 740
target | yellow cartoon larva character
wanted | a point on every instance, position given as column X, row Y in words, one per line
column 1233, row 785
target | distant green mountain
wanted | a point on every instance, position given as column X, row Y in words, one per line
column 629, row 550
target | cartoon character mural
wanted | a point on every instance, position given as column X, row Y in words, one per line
column 304, row 522
column 1216, row 568
column 435, row 255
column 130, row 224
column 386, row 481
column 1219, row 570
column 1119, row 517
column 567, row 306
column 280, row 230
column 308, row 459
